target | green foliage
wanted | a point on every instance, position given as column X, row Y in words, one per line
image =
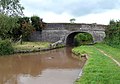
column 11, row 7
column 6, row 47
column 36, row 23
column 25, row 27
column 26, row 19
column 113, row 34
column 72, row 20
column 7, row 24
column 16, row 28
column 83, row 38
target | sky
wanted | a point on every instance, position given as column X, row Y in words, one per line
column 84, row 11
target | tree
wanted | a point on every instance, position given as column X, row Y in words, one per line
column 11, row 7
column 14, row 27
column 25, row 29
column 7, row 24
column 72, row 20
column 37, row 23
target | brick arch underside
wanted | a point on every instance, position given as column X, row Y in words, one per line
column 70, row 38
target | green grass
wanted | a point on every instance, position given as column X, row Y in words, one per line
column 114, row 52
column 30, row 45
column 99, row 69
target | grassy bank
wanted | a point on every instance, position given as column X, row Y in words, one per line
column 114, row 52
column 30, row 45
column 99, row 69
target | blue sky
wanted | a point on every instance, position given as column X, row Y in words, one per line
column 84, row 11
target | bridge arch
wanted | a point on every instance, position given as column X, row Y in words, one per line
column 70, row 38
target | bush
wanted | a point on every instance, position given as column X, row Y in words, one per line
column 113, row 34
column 6, row 47
column 83, row 38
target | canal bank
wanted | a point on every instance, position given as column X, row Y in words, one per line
column 99, row 68
column 29, row 47
column 37, row 50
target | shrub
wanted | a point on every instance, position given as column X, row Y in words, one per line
column 113, row 34
column 83, row 38
column 6, row 47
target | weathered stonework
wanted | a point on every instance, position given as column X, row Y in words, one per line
column 48, row 35
column 55, row 31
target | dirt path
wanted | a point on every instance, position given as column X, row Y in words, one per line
column 109, row 56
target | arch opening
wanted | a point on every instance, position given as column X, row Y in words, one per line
column 79, row 36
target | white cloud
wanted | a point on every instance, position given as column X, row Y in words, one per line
column 52, row 17
column 101, row 18
column 84, row 11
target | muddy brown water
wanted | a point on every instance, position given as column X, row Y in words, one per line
column 51, row 67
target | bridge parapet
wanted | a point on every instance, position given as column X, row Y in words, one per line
column 53, row 32
column 73, row 26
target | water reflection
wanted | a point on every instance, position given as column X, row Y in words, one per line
column 40, row 68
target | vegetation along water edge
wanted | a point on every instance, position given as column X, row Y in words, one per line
column 99, row 69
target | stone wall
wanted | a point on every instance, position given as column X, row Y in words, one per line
column 73, row 26
column 48, row 35
column 55, row 31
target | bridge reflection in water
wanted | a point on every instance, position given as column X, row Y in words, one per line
column 52, row 67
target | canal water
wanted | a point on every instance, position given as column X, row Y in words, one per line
column 57, row 66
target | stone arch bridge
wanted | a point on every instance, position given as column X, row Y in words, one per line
column 65, row 32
